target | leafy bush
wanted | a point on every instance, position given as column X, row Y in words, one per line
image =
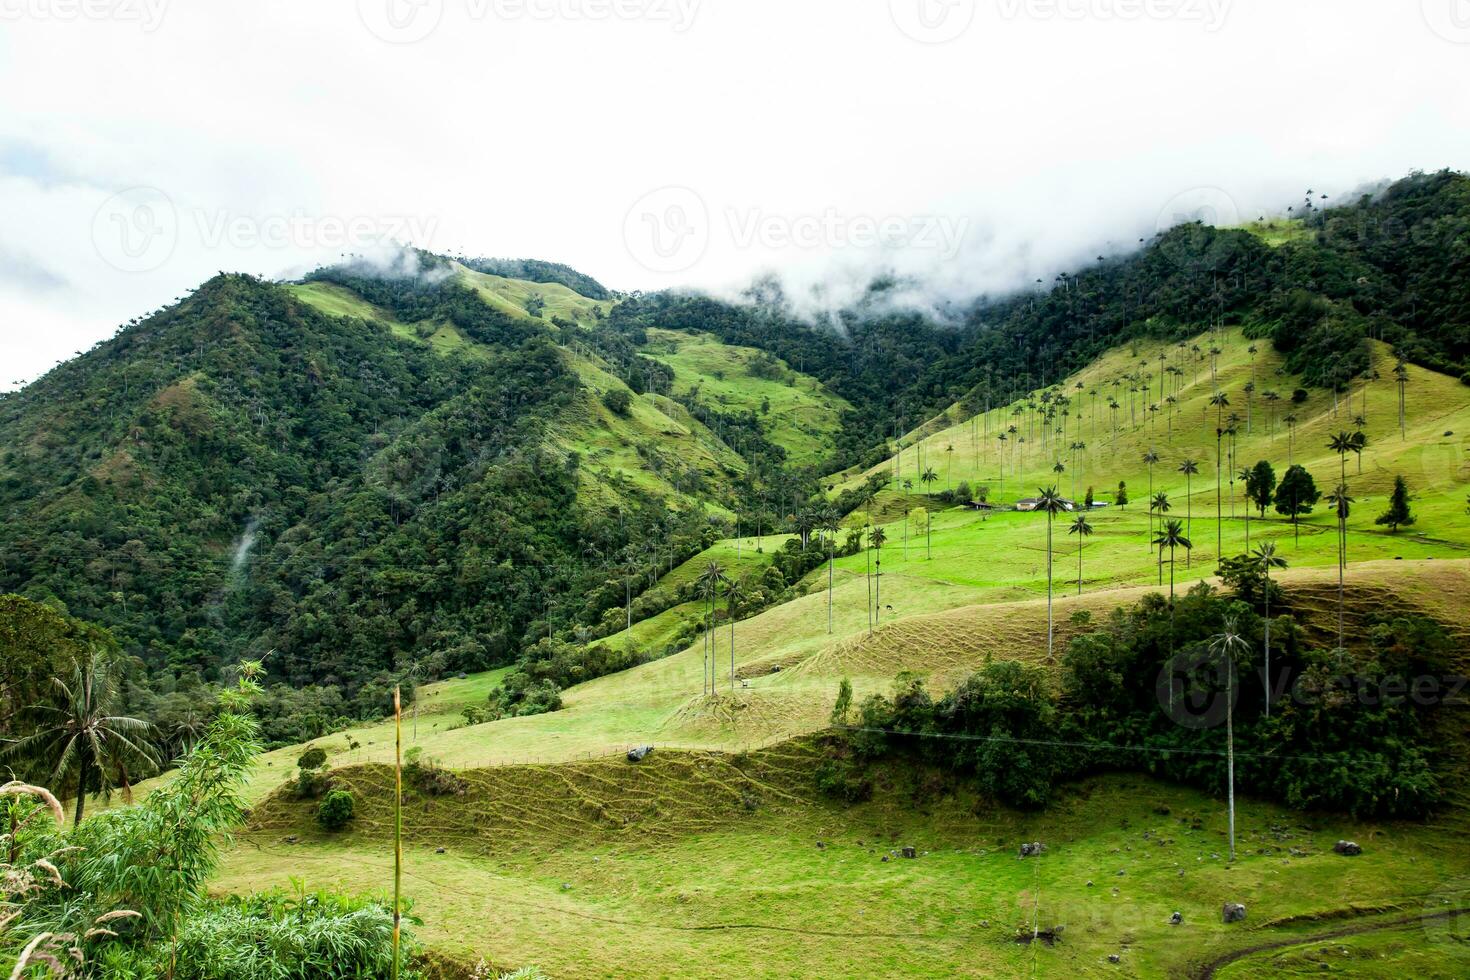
column 335, row 810
column 313, row 758
column 319, row 936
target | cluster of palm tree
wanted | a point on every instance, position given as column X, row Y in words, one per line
column 78, row 738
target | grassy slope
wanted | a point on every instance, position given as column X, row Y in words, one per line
column 803, row 417
column 513, row 296
column 335, row 300
column 1432, row 456
column 710, row 865
column 609, row 444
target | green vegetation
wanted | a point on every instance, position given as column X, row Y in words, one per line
column 568, row 523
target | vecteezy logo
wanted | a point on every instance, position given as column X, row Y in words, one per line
column 1196, row 689
column 932, row 21
column 1196, row 210
column 667, row 230
column 400, row 21
column 136, row 230
column 1446, row 914
column 1450, row 19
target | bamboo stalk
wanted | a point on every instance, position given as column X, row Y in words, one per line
column 397, row 825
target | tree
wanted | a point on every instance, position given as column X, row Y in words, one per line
column 878, row 537
column 710, row 581
column 1261, row 485
column 1149, row 459
column 1189, row 468
column 1267, row 559
column 928, row 478
column 1398, row 514
column 335, row 810
column 1158, row 504
column 1341, row 506
column 844, row 703
column 1221, row 401
column 831, row 523
column 1172, row 537
column 79, row 736
column 1083, row 530
column 1121, row 497
column 1297, row 495
column 1342, row 444
column 1227, row 645
column 921, row 523
column 1051, row 504
column 1244, row 476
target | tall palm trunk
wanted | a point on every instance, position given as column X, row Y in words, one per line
column 1230, row 751
column 84, row 773
column 1050, row 632
column 831, row 557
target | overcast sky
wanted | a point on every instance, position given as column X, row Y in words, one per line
column 978, row 144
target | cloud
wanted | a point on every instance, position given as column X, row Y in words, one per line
column 1049, row 139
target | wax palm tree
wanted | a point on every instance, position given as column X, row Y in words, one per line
column 732, row 595
column 1189, row 468
column 1220, row 401
column 79, row 737
column 878, row 537
column 1290, row 421
column 1050, row 503
column 1149, row 459
column 1342, row 444
column 1158, row 504
column 830, row 524
column 1244, row 476
column 1267, row 559
column 1341, row 503
column 928, row 478
column 1172, row 537
column 710, row 581
column 1228, row 645
column 948, row 467
column 1360, row 441
column 1083, row 530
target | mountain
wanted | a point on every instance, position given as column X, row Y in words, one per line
column 444, row 462
column 369, row 468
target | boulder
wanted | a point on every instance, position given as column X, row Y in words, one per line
column 640, row 753
column 1032, row 849
column 1114, row 958
column 1233, row 912
column 1347, row 848
column 910, row 852
column 1176, row 919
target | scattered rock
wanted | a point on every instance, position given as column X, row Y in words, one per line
column 1233, row 912
column 438, row 850
column 291, row 839
column 1121, row 872
column 775, row 668
column 566, row 886
column 640, row 753
column 1032, row 849
column 885, row 858
column 910, row 852
column 1114, row 958
column 1176, row 919
column 1347, row 848
column 821, row 845
column 1089, row 884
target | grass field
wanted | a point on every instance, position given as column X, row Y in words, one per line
column 796, row 411
column 701, row 864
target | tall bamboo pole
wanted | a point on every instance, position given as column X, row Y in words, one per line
column 397, row 826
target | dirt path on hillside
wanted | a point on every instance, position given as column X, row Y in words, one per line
column 1209, row 970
